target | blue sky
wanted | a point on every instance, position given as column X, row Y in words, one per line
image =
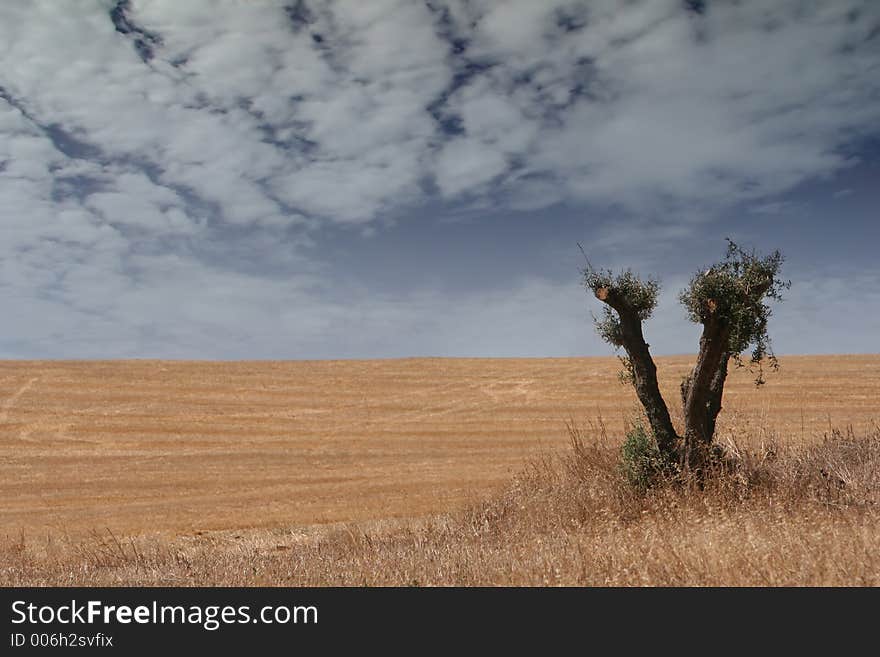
column 226, row 179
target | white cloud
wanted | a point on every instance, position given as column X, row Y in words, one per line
column 773, row 208
column 466, row 164
column 740, row 103
column 240, row 121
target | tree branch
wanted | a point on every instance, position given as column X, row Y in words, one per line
column 644, row 369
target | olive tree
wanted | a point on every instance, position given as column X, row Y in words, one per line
column 729, row 300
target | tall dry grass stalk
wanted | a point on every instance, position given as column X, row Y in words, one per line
column 772, row 514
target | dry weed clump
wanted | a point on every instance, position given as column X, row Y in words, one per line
column 769, row 514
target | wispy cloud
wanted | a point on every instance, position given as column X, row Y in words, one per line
column 774, row 207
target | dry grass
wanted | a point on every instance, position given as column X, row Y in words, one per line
column 777, row 515
column 412, row 472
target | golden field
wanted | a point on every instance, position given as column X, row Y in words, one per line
column 259, row 472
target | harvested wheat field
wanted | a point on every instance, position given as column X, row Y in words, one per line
column 156, row 472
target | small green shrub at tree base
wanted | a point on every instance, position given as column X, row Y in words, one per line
column 640, row 458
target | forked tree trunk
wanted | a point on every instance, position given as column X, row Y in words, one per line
column 644, row 372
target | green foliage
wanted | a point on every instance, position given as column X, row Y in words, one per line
column 627, row 288
column 733, row 292
column 608, row 327
column 639, row 295
column 640, row 459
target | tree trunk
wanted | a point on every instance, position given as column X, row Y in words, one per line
column 716, row 390
column 686, row 388
column 703, row 398
column 644, row 373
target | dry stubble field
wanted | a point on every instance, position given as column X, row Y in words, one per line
column 427, row 471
